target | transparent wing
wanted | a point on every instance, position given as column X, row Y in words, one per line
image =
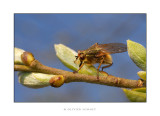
column 112, row 47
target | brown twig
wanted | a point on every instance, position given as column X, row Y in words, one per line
column 110, row 80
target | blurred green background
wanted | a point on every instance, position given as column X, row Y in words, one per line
column 37, row 33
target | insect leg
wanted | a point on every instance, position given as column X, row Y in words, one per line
column 107, row 66
column 99, row 67
column 80, row 66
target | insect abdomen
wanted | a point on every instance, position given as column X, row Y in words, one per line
column 107, row 59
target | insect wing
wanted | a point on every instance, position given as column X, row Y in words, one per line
column 113, row 47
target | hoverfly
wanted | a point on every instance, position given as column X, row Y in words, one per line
column 99, row 53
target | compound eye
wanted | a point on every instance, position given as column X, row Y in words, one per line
column 82, row 57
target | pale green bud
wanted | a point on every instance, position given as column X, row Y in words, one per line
column 17, row 55
column 35, row 80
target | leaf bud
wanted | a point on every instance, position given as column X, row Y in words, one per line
column 57, row 81
column 35, row 80
column 142, row 74
column 27, row 58
column 17, row 55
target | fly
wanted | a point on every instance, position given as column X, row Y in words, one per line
column 99, row 53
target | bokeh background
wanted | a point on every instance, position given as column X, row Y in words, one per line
column 37, row 33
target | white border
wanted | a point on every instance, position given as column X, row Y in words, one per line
column 8, row 8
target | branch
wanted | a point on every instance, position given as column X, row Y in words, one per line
column 32, row 65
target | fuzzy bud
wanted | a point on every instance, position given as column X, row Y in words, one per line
column 17, row 55
column 57, row 81
column 142, row 74
column 27, row 58
column 35, row 80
